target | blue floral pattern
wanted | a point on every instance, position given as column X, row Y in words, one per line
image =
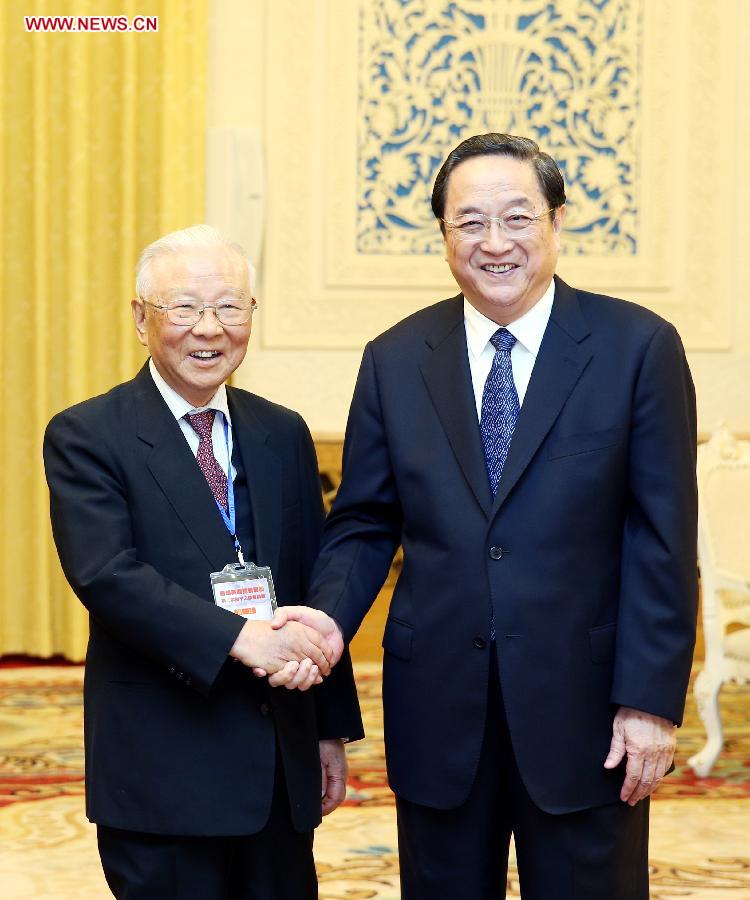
column 432, row 72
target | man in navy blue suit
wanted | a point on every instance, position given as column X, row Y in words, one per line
column 532, row 448
column 203, row 782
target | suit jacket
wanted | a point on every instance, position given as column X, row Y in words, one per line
column 179, row 738
column 586, row 557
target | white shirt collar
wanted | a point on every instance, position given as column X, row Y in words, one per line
column 179, row 406
column 528, row 330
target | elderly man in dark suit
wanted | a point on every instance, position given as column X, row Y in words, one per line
column 204, row 781
column 532, row 447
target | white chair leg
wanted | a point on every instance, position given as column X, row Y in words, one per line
column 706, row 692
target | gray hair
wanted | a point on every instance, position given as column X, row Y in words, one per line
column 196, row 236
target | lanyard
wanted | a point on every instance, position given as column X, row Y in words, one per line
column 229, row 515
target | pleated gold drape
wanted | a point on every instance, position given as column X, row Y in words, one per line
column 101, row 151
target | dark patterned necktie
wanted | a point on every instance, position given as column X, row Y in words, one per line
column 500, row 407
column 203, row 424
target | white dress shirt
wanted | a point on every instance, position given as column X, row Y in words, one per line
column 528, row 332
column 178, row 406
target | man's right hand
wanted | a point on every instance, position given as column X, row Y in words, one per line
column 313, row 618
column 302, row 676
column 261, row 646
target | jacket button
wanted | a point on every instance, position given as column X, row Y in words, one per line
column 479, row 642
column 265, row 709
column 496, row 552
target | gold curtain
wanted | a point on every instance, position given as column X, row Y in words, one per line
column 101, row 151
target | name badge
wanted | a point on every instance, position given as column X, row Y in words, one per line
column 246, row 590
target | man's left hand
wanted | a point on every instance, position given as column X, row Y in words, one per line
column 649, row 742
column 333, row 770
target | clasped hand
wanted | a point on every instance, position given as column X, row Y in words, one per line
column 295, row 649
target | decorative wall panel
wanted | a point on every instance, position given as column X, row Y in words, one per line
column 639, row 102
column 433, row 73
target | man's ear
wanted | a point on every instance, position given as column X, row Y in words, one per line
column 138, row 308
column 557, row 222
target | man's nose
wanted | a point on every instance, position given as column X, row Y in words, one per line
column 208, row 324
column 495, row 238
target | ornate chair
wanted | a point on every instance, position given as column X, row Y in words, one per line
column 724, row 554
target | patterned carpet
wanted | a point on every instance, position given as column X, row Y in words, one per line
column 699, row 846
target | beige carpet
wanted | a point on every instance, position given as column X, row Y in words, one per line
column 700, row 846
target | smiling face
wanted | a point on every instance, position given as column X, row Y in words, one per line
column 502, row 276
column 195, row 360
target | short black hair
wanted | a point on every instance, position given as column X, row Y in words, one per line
column 547, row 171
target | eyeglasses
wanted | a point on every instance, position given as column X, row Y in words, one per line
column 187, row 311
column 475, row 226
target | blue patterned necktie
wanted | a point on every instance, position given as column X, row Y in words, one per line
column 500, row 407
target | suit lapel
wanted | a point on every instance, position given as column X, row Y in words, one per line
column 561, row 360
column 448, row 378
column 264, row 477
column 177, row 473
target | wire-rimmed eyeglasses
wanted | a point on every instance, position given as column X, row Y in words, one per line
column 231, row 310
column 476, row 226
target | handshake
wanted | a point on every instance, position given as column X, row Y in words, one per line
column 295, row 649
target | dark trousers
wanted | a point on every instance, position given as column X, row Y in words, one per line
column 596, row 854
column 274, row 864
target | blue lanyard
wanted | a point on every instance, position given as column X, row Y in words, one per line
column 228, row 515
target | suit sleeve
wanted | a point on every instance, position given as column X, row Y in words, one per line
column 93, row 532
column 658, row 591
column 363, row 530
column 336, row 702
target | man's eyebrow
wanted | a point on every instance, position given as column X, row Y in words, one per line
column 520, row 200
column 462, row 210
column 228, row 289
